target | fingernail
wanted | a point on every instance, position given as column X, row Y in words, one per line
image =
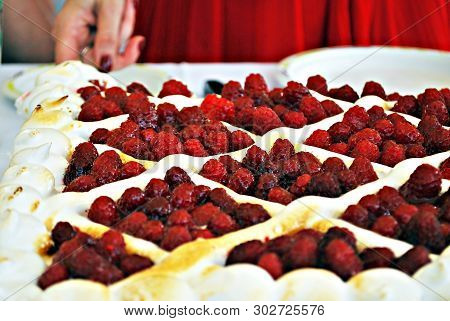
column 142, row 45
column 106, row 63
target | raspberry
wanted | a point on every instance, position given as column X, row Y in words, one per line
column 201, row 193
column 136, row 87
column 371, row 203
column 103, row 211
column 303, row 253
column 387, row 226
column 134, row 263
column 405, row 133
column 157, row 208
column 175, row 176
column 393, row 96
column 117, row 95
column 413, row 260
column 99, row 136
column 166, row 144
column 280, row 110
column 428, row 96
column 190, row 115
column 366, row 149
column 116, row 138
column 280, row 195
column 135, row 148
column 265, row 183
column 214, row 170
column 345, row 93
column 180, row 217
column 319, row 138
column 157, row 187
column 318, row 83
column 61, row 233
column 424, row 229
column 384, row 127
column 340, row 148
column 67, row 248
column 299, row 187
column 216, row 108
column 324, row 184
column 55, row 273
column 130, row 128
column 215, row 126
column 255, row 83
column 251, row 214
column 376, row 113
column 241, row 181
column 106, row 168
column 392, row 153
column 240, row 140
column 312, row 109
column 222, row 223
column 83, row 183
column 202, row 233
column 152, row 230
column 367, row 133
column 216, row 142
column 110, row 109
column 357, row 118
column 276, row 95
column 272, row 264
column 308, row 232
column 174, row 87
column 377, row 257
column 145, row 115
column 404, row 212
column 167, row 113
column 308, row 163
column 396, row 118
column 331, row 108
column 81, row 162
column 87, row 92
column 193, row 132
column 333, row 165
column 363, row 170
column 91, row 111
column 203, row 214
column 357, row 215
column 406, row 104
column 341, row 258
column 294, row 119
column 438, row 109
column 282, row 149
column 340, row 132
column 182, row 196
column 437, row 137
column 294, row 92
column 423, row 184
column 130, row 199
column 264, row 120
column 219, row 197
column 255, row 159
column 131, row 169
column 111, row 246
column 373, row 88
column 415, row 151
column 281, row 244
column 195, row 148
column 390, row 199
column 232, row 90
column 132, row 223
column 348, row 180
column 248, row 252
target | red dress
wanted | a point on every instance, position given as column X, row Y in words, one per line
column 268, row 30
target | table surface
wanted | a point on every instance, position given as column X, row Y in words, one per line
column 194, row 75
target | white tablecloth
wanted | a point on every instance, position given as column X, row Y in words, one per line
column 194, row 75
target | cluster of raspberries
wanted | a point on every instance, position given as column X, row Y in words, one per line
column 77, row 255
column 335, row 250
column 174, row 211
column 384, row 138
column 282, row 175
column 415, row 213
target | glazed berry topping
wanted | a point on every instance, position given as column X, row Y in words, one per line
column 416, row 213
column 103, row 260
column 334, row 251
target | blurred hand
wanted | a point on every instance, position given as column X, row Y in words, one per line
column 114, row 21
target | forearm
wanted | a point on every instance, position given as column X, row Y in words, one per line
column 27, row 31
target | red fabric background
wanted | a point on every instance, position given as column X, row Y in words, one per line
column 268, row 30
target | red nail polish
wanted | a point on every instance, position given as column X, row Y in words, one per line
column 106, row 63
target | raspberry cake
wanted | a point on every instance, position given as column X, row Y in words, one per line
column 93, row 207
